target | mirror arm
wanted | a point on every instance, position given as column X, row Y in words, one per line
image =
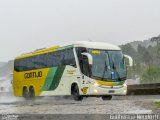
column 89, row 58
column 130, row 60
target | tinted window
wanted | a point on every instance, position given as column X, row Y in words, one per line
column 51, row 59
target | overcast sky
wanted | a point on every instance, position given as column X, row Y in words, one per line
column 26, row 25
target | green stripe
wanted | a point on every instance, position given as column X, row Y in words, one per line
column 49, row 79
column 57, row 77
column 118, row 83
column 53, row 78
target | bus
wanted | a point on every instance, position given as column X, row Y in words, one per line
column 79, row 69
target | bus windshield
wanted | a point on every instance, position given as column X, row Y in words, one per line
column 108, row 65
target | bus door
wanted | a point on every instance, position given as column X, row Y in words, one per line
column 85, row 79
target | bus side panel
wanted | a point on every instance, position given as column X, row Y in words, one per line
column 29, row 78
column 60, row 80
column 54, row 81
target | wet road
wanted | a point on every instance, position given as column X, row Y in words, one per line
column 60, row 105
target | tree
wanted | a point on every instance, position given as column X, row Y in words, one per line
column 146, row 58
column 141, row 50
column 129, row 50
column 151, row 75
column 157, row 39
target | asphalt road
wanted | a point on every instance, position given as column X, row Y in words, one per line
column 60, row 105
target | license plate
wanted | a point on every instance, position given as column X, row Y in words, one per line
column 111, row 91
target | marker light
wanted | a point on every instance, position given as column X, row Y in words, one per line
column 95, row 90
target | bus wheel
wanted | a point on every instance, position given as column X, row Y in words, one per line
column 107, row 97
column 31, row 93
column 25, row 92
column 75, row 93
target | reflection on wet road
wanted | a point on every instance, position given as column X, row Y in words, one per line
column 60, row 105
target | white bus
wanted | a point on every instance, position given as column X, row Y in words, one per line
column 81, row 69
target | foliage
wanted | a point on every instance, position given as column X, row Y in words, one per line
column 146, row 60
column 157, row 104
column 151, row 75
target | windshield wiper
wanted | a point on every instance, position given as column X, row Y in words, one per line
column 114, row 68
column 105, row 69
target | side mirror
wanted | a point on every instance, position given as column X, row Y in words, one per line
column 89, row 56
column 130, row 60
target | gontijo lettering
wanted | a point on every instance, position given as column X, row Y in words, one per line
column 33, row 74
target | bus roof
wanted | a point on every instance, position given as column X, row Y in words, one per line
column 94, row 45
column 86, row 44
column 38, row 52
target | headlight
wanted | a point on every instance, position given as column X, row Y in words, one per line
column 124, row 91
column 125, row 85
column 96, row 84
column 95, row 90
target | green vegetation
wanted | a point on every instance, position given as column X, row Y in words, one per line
column 157, row 104
column 151, row 75
column 146, row 60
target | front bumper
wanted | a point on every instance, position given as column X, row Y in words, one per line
column 108, row 90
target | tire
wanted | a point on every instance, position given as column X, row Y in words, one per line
column 25, row 93
column 75, row 94
column 31, row 93
column 107, row 97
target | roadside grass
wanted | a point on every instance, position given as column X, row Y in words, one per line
column 157, row 104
